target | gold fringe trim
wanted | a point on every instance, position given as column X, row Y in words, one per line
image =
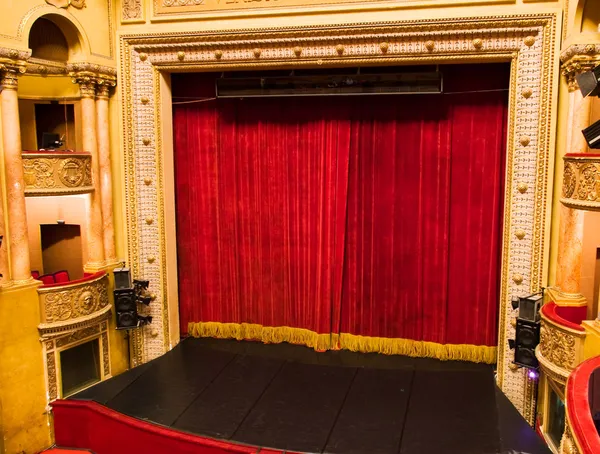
column 352, row 342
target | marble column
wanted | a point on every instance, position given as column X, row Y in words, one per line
column 18, row 237
column 570, row 239
column 102, row 93
column 95, row 237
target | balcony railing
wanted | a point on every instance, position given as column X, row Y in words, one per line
column 581, row 181
column 561, row 344
column 73, row 305
column 581, row 435
column 57, row 172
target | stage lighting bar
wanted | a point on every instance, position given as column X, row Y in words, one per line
column 588, row 82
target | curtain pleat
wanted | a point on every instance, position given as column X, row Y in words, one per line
column 321, row 220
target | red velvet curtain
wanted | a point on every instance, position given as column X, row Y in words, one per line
column 378, row 216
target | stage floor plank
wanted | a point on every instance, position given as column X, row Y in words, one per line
column 338, row 402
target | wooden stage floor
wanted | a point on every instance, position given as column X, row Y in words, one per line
column 293, row 398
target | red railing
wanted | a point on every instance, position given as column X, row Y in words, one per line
column 568, row 316
column 89, row 425
column 579, row 413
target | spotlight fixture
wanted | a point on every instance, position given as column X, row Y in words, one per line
column 588, row 82
column 592, row 135
column 514, row 302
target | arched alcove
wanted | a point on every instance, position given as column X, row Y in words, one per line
column 587, row 16
column 55, row 37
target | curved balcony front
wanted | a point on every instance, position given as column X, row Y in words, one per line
column 581, row 435
column 73, row 305
column 57, row 172
column 581, row 181
column 561, row 343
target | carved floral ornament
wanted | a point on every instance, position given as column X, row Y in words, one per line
column 581, row 182
column 79, row 4
column 577, row 59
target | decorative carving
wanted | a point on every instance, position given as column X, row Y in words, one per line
column 149, row 221
column 51, row 371
column 520, row 233
column 145, row 100
column 581, row 182
column 131, row 10
column 9, row 74
column 256, row 52
column 524, row 140
column 477, row 43
column 102, row 91
column 143, row 56
column 146, row 141
column 168, row 3
column 105, row 355
column 517, row 279
column 429, row 45
column 218, row 54
column 529, row 41
column 297, row 51
column 339, row 49
column 559, row 346
column 57, row 173
column 77, row 336
column 180, row 55
column 147, row 181
column 384, row 47
column 79, row 4
column 526, row 93
column 522, row 188
column 567, row 442
column 72, row 301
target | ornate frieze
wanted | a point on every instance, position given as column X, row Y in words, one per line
column 577, row 59
column 581, row 182
column 57, row 173
column 89, row 76
column 79, row 4
column 131, row 10
column 71, row 302
column 560, row 349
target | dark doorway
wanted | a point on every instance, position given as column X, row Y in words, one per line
column 61, row 249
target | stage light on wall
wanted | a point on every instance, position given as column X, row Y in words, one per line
column 588, row 82
column 527, row 330
column 592, row 135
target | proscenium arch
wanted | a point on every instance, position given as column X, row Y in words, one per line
column 77, row 40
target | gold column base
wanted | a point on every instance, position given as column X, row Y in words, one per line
column 565, row 299
column 12, row 286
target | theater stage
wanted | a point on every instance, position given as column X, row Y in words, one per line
column 291, row 398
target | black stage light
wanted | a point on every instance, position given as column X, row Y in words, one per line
column 527, row 338
column 588, row 82
column 514, row 302
column 145, row 299
column 126, row 308
column 529, row 307
column 511, row 344
column 592, row 135
column 141, row 283
column 144, row 320
column 122, row 277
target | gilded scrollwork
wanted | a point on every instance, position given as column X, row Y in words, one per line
column 52, row 174
column 105, row 355
column 567, row 443
column 51, row 376
column 131, row 10
column 77, row 336
column 581, row 182
column 73, row 301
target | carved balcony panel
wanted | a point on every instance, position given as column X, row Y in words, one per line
column 561, row 344
column 57, row 173
column 73, row 305
column 581, row 181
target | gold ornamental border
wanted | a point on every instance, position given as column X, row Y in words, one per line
column 527, row 41
column 581, row 182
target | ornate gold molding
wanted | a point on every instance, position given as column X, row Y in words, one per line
column 46, row 67
column 528, row 41
column 131, row 10
column 89, row 76
column 53, row 346
column 577, row 59
column 57, row 173
column 581, row 182
column 561, row 347
column 73, row 301
column 568, row 443
column 565, row 299
column 79, row 4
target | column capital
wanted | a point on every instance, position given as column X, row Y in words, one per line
column 9, row 73
column 94, row 80
column 576, row 59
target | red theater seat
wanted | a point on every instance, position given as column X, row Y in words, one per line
column 61, row 277
column 47, row 279
column 35, row 274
